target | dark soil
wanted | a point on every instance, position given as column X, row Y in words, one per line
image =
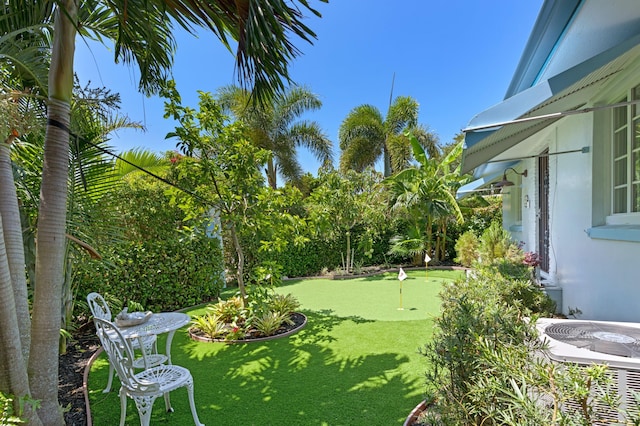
column 71, row 368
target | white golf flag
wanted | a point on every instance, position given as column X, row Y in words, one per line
column 402, row 275
column 427, row 258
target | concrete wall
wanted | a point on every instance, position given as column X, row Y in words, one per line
column 597, row 276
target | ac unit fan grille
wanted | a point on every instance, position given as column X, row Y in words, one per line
column 600, row 337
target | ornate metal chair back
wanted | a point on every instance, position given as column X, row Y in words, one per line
column 98, row 306
column 121, row 357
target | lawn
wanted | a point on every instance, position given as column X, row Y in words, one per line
column 355, row 363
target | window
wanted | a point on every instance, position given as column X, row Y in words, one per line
column 626, row 156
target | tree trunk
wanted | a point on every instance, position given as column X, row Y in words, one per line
column 429, row 236
column 348, row 251
column 272, row 174
column 13, row 369
column 14, row 245
column 45, row 334
column 387, row 160
column 240, row 270
column 443, row 248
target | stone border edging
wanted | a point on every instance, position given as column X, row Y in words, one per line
column 257, row 339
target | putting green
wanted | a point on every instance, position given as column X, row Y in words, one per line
column 378, row 297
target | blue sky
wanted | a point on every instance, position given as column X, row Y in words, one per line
column 455, row 57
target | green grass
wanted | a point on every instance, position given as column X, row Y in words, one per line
column 355, row 363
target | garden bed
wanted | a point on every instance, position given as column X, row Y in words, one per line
column 298, row 321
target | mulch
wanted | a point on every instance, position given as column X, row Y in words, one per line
column 71, row 368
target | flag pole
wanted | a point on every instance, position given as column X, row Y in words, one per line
column 401, row 277
column 426, row 266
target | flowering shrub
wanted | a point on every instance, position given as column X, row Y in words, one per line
column 531, row 259
column 235, row 333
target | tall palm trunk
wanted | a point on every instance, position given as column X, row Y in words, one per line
column 272, row 174
column 45, row 334
column 43, row 363
column 14, row 245
column 387, row 160
column 429, row 230
column 13, row 371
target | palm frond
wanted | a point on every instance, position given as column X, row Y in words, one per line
column 25, row 41
column 403, row 113
column 310, row 135
column 143, row 158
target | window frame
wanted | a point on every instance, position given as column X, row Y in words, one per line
column 625, row 153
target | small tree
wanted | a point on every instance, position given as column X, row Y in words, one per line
column 346, row 200
column 222, row 170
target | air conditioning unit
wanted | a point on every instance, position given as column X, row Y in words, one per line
column 616, row 344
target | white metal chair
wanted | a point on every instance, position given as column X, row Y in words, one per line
column 146, row 386
column 150, row 357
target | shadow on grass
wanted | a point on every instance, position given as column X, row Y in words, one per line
column 336, row 371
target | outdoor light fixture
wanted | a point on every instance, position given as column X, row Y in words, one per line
column 504, row 182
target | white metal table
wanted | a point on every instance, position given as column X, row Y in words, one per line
column 162, row 322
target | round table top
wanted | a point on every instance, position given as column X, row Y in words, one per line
column 158, row 323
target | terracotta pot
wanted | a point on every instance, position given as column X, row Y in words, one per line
column 413, row 416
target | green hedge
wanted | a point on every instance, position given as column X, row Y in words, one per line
column 162, row 275
column 311, row 258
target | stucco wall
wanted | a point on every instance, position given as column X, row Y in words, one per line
column 597, row 276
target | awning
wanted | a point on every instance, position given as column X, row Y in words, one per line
column 492, row 173
column 492, row 132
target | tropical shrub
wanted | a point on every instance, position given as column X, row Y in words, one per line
column 494, row 243
column 266, row 313
column 467, row 249
column 284, row 303
column 7, row 416
column 269, row 323
column 228, row 311
column 488, row 367
column 210, row 325
column 478, row 212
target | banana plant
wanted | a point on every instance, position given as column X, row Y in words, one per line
column 424, row 196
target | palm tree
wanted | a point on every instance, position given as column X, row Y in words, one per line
column 276, row 127
column 365, row 135
column 142, row 32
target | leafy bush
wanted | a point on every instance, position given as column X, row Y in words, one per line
column 235, row 332
column 228, row 311
column 209, row 324
column 162, row 275
column 467, row 248
column 266, row 313
column 269, row 323
column 284, row 304
column 494, row 243
column 12, row 409
column 488, row 367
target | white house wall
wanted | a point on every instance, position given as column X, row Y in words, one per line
column 596, row 276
